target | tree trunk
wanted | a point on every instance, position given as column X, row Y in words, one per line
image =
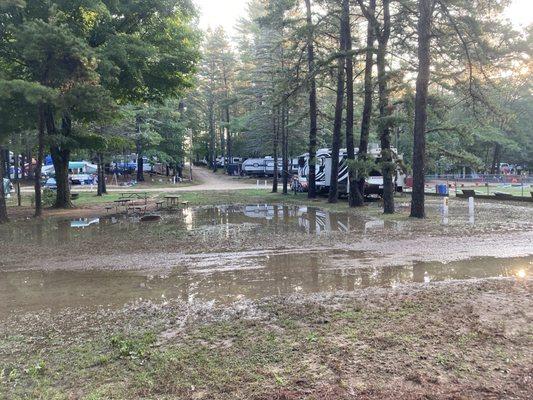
column 212, row 135
column 22, row 166
column 275, row 123
column 495, row 168
column 311, row 176
column 101, row 188
column 368, row 89
column 337, row 124
column 285, row 148
column 16, row 162
column 354, row 195
column 3, row 207
column 422, row 83
column 40, row 160
column 140, row 161
column 60, row 159
column 385, row 113
column 228, row 134
column 102, row 168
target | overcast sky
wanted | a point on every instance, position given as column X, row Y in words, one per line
column 225, row 13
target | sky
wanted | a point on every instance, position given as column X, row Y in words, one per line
column 223, row 13
column 226, row 13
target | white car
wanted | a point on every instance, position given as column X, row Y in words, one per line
column 374, row 185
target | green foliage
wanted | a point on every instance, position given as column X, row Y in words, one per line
column 133, row 347
column 361, row 167
column 48, row 197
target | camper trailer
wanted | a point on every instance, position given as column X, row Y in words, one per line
column 269, row 166
column 374, row 183
column 254, row 167
column 260, row 166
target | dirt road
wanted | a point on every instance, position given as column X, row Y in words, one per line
column 207, row 181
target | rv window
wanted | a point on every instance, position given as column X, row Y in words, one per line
column 375, row 172
column 301, row 162
column 256, row 165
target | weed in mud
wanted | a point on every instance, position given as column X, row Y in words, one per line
column 37, row 369
column 133, row 347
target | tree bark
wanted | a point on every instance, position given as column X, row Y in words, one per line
column 275, row 123
column 102, row 168
column 226, row 110
column 212, row 135
column 60, row 159
column 285, row 147
column 16, row 162
column 422, row 83
column 3, row 207
column 369, row 90
column 22, row 166
column 354, row 196
column 495, row 168
column 337, row 124
column 101, row 188
column 385, row 113
column 40, row 160
column 313, row 127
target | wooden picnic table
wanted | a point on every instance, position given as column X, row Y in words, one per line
column 172, row 200
column 121, row 203
column 134, row 195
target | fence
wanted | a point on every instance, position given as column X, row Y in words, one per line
column 518, row 185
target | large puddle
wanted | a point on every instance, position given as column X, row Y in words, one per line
column 265, row 275
column 211, row 275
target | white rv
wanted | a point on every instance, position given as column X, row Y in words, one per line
column 374, row 183
column 254, row 166
column 260, row 166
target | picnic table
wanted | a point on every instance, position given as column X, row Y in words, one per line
column 172, row 200
column 134, row 195
column 121, row 203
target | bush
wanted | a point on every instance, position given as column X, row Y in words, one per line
column 49, row 196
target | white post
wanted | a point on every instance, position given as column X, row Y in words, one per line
column 470, row 205
column 471, row 217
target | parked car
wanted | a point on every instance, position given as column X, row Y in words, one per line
column 50, row 184
column 82, row 179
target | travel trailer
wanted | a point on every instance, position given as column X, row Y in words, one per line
column 260, row 166
column 374, row 183
column 254, row 166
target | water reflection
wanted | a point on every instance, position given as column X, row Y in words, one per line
column 271, row 275
column 227, row 219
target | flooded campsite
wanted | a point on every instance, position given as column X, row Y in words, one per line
column 301, row 284
column 266, row 200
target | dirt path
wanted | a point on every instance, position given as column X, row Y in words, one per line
column 207, row 181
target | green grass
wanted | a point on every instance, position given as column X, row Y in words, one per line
column 515, row 191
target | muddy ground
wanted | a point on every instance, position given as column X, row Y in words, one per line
column 454, row 340
column 280, row 301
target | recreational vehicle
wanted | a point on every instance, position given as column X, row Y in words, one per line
column 260, row 166
column 374, row 183
column 254, row 166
